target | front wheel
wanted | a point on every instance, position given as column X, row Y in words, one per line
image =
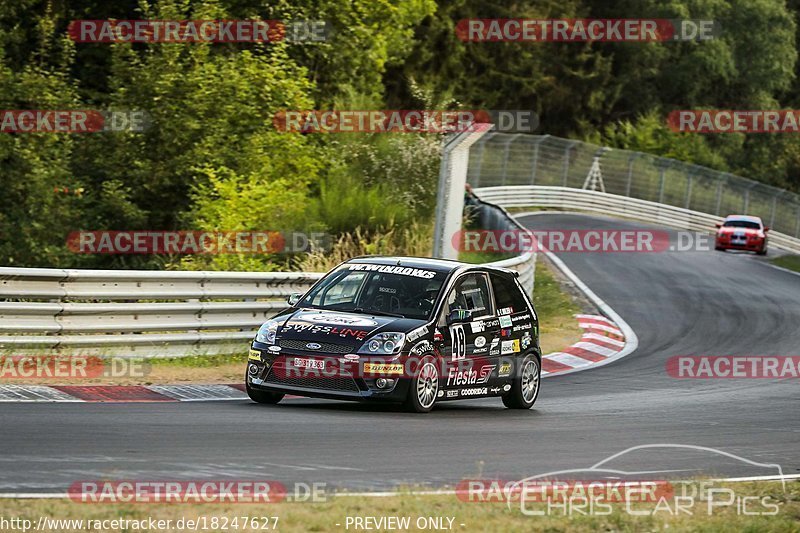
column 424, row 387
column 525, row 387
column 261, row 396
column 762, row 251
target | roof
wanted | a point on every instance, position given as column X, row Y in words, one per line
column 743, row 217
column 438, row 265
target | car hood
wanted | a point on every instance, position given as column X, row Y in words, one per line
column 350, row 329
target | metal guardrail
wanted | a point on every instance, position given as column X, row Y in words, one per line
column 501, row 159
column 568, row 199
column 148, row 313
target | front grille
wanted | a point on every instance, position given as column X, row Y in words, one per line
column 338, row 384
column 325, row 347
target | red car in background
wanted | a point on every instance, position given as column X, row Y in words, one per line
column 740, row 232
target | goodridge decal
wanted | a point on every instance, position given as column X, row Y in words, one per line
column 388, row 269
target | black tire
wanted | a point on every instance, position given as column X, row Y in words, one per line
column 763, row 251
column 261, row 396
column 526, row 384
column 719, row 249
column 424, row 386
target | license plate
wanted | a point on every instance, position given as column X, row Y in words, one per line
column 316, row 364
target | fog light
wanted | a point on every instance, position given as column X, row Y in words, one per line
column 252, row 369
column 383, row 383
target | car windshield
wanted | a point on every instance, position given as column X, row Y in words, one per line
column 378, row 289
column 742, row 224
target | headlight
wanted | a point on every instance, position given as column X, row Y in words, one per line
column 267, row 331
column 383, row 344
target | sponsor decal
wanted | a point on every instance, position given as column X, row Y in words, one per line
column 495, row 347
column 505, row 369
column 389, row 269
column 505, row 311
column 474, row 392
column 507, row 347
column 505, row 332
column 469, row 377
column 505, row 321
column 387, row 289
column 521, row 327
column 437, row 336
column 313, row 346
column 477, row 327
column 507, row 387
column 421, row 348
column 417, row 333
column 452, row 393
column 255, row 355
column 526, row 340
column 316, row 364
column 517, row 318
column 480, row 342
column 383, row 368
column 515, row 345
column 330, row 318
column 495, row 390
column 274, row 348
column 358, row 334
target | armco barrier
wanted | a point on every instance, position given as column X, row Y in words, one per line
column 148, row 313
column 569, row 199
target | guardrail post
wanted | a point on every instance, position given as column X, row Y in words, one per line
column 688, row 191
column 505, row 155
column 631, row 159
column 450, row 194
column 566, row 160
column 536, row 157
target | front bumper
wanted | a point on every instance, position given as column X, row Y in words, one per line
column 275, row 374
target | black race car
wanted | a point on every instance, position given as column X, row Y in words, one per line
column 402, row 329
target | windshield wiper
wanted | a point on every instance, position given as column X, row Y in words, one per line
column 376, row 312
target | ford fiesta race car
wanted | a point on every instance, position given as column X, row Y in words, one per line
column 405, row 330
column 739, row 232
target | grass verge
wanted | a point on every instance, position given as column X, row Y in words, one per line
column 333, row 515
column 789, row 262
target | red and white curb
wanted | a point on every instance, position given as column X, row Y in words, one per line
column 120, row 393
column 601, row 341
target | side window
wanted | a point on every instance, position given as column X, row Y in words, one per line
column 507, row 295
column 471, row 293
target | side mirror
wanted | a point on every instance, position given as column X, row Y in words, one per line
column 294, row 298
column 718, row 224
column 766, row 229
column 459, row 316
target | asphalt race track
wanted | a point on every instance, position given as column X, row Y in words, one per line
column 678, row 303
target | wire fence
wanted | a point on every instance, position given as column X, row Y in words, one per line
column 500, row 159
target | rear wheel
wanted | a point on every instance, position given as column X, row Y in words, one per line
column 525, row 387
column 424, row 387
column 261, row 396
